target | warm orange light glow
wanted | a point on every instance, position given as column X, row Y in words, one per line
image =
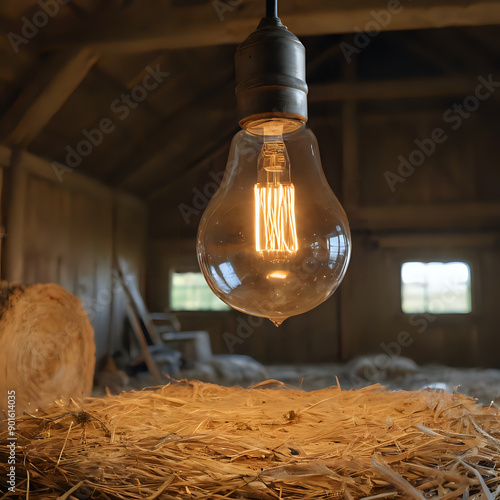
column 281, row 275
column 275, row 230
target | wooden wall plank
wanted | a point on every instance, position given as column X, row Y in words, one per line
column 374, row 318
column 63, row 233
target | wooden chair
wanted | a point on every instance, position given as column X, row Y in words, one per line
column 154, row 331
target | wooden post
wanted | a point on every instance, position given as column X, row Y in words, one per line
column 350, row 139
column 2, row 229
column 14, row 245
column 350, row 148
column 350, row 195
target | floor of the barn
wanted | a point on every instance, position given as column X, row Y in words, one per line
column 398, row 373
column 483, row 384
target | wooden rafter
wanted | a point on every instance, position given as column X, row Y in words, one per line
column 142, row 159
column 166, row 165
column 165, row 137
column 486, row 40
column 450, row 215
column 209, row 153
column 457, row 49
column 425, row 51
column 119, row 87
column 161, row 26
column 45, row 95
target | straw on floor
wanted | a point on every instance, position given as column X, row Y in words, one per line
column 196, row 440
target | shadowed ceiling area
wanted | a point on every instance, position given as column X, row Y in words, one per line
column 138, row 94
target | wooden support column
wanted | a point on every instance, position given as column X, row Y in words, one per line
column 350, row 148
column 2, row 226
column 350, row 198
column 5, row 156
column 14, row 242
column 350, row 139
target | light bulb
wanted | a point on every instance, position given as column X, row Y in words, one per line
column 274, row 240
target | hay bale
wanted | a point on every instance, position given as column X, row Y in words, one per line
column 204, row 441
column 48, row 349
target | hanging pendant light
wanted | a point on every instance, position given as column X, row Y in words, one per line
column 274, row 240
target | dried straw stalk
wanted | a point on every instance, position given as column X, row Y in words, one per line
column 196, row 440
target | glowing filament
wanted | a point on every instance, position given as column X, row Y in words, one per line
column 275, row 230
column 281, row 275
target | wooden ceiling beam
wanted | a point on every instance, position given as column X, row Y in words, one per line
column 143, row 159
column 458, row 49
column 178, row 155
column 44, row 95
column 165, row 168
column 394, row 89
column 159, row 26
column 166, row 135
column 486, row 40
column 474, row 215
column 210, row 153
column 420, row 47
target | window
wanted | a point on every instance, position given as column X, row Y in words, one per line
column 436, row 287
column 190, row 292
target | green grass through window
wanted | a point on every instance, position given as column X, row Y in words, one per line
column 436, row 287
column 190, row 292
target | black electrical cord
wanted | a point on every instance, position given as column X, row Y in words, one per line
column 271, row 8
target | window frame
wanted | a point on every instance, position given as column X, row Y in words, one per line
column 402, row 284
column 441, row 256
column 183, row 270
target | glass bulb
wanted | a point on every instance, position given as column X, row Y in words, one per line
column 274, row 240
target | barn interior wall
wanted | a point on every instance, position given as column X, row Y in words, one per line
column 66, row 230
column 447, row 209
column 381, row 327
